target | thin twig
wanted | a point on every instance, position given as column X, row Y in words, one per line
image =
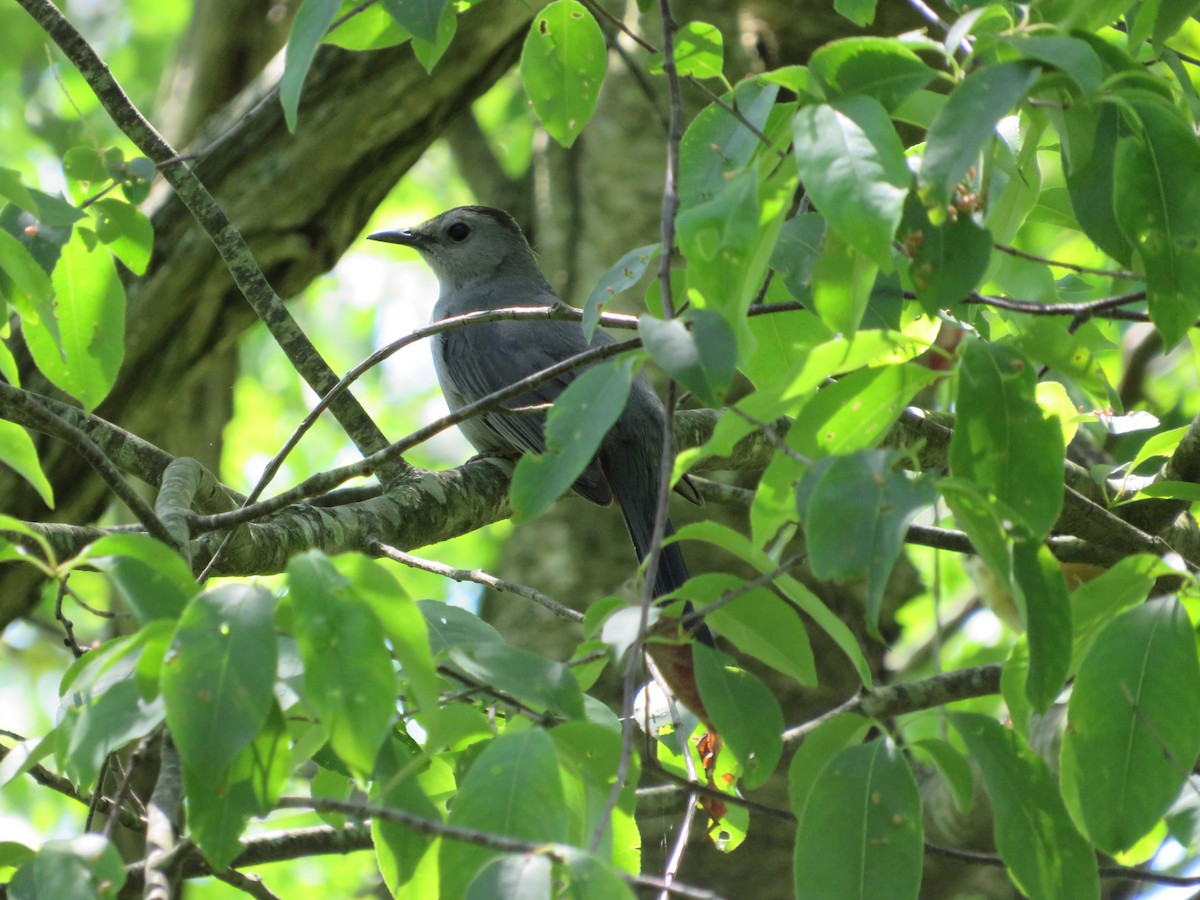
column 477, row 576
column 1123, row 274
column 326, row 481
column 503, row 843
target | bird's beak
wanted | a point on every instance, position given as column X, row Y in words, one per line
column 408, row 237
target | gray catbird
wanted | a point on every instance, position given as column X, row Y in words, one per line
column 482, row 261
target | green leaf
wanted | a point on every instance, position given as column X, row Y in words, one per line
column 532, row 679
column 103, row 709
column 1046, row 611
column 1157, row 206
column 589, row 878
column 857, row 410
column 1046, row 857
column 743, row 711
column 348, row 677
column 563, row 64
column 218, row 677
column 627, row 272
column 842, row 282
column 1069, row 14
column 1089, row 141
column 151, row 578
column 419, row 18
column 697, row 349
column 860, row 12
column 727, row 241
column 313, row 19
column 852, row 165
column 967, row 122
column 1134, row 723
column 372, row 28
column 581, row 417
column 717, row 146
column 33, row 292
column 859, row 834
column 404, row 626
column 862, row 495
column 90, row 306
column 18, row 453
column 451, row 626
column 590, row 759
column 82, row 867
column 877, row 67
column 819, row 747
column 84, row 164
column 252, row 784
column 11, row 188
column 736, row 543
column 976, row 516
column 699, row 52
column 758, row 623
column 795, row 255
column 524, row 877
column 1096, row 602
column 1074, row 58
column 514, row 789
column 429, row 52
column 953, row 767
column 948, row 260
column 126, row 231
column 400, row 851
column 1002, row 442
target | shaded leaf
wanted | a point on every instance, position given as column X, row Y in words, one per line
column 743, row 711
column 532, row 679
column 348, row 677
column 697, row 349
column 514, row 789
column 625, row 273
column 1046, row 611
column 859, row 834
column 313, row 19
column 1157, row 204
column 1046, row 857
column 1002, row 442
column 580, row 418
column 218, row 676
column 418, row 17
column 862, row 495
column 1134, row 719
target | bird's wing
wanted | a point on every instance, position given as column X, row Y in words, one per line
column 486, row 358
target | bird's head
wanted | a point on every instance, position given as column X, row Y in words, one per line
column 469, row 244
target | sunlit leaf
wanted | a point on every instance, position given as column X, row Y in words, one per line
column 563, row 65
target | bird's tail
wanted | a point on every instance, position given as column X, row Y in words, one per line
column 674, row 660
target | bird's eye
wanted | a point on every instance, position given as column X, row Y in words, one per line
column 458, row 231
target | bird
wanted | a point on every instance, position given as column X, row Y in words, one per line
column 483, row 261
